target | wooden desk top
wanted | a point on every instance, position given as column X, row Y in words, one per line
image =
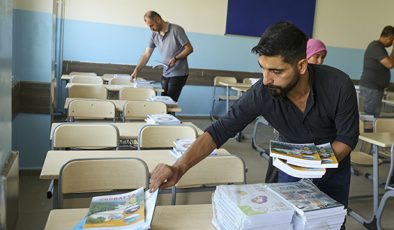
column 117, row 88
column 55, row 159
column 193, row 217
column 380, row 139
column 127, row 130
column 238, row 84
column 389, row 102
column 119, row 104
column 240, row 88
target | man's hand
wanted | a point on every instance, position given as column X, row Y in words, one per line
column 172, row 62
column 133, row 76
column 164, row 176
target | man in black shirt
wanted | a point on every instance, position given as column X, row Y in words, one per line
column 376, row 71
column 305, row 103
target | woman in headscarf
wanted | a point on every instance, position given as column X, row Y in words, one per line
column 316, row 51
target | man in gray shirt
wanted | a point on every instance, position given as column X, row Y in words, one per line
column 376, row 71
column 174, row 47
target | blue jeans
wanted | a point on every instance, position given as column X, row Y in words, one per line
column 335, row 182
column 372, row 99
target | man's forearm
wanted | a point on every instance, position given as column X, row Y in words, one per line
column 341, row 150
column 187, row 49
column 200, row 149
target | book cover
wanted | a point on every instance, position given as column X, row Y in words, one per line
column 327, row 156
column 250, row 205
column 305, row 155
column 160, row 65
column 165, row 99
column 298, row 171
column 162, row 119
column 305, row 197
column 132, row 210
column 183, row 144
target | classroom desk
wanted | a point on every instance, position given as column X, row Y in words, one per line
column 211, row 170
column 388, row 102
column 179, row 217
column 377, row 140
column 119, row 104
column 228, row 86
column 117, row 88
column 127, row 130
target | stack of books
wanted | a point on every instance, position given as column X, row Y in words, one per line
column 142, row 83
column 162, row 119
column 314, row 209
column 303, row 160
column 181, row 145
column 133, row 210
column 249, row 207
column 165, row 99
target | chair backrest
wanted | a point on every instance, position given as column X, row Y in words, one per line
column 163, row 136
column 83, row 73
column 85, row 136
column 135, row 94
column 384, row 125
column 86, row 79
column 138, row 110
column 218, row 79
column 90, row 177
column 234, row 171
column 119, row 81
column 361, row 126
column 91, row 109
column 87, row 91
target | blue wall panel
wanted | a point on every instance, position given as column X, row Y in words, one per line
column 32, row 46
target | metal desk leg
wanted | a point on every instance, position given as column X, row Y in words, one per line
column 55, row 197
column 227, row 99
column 372, row 223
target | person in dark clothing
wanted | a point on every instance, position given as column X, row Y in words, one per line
column 304, row 102
column 376, row 71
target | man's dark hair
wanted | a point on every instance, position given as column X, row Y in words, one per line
column 152, row 15
column 387, row 31
column 284, row 39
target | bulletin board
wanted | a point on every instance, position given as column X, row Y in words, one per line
column 252, row 17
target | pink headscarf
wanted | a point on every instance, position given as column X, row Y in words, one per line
column 314, row 46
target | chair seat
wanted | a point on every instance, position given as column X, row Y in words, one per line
column 231, row 98
column 364, row 159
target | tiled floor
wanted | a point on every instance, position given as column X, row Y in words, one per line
column 34, row 206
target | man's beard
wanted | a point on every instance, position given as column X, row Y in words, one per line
column 279, row 92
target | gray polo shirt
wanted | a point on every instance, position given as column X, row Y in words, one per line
column 375, row 75
column 169, row 46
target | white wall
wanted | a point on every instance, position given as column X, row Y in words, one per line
column 351, row 23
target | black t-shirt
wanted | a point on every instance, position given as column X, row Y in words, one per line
column 375, row 75
column 331, row 113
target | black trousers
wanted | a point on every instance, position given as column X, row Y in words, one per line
column 172, row 86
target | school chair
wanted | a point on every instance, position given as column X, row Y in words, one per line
column 138, row 110
column 85, row 178
column 217, row 98
column 83, row 73
column 80, row 109
column 119, row 81
column 136, row 94
column 88, row 91
column 79, row 135
column 203, row 176
column 362, row 157
column 86, row 79
column 163, row 136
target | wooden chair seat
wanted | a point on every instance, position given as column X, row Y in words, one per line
column 362, row 159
